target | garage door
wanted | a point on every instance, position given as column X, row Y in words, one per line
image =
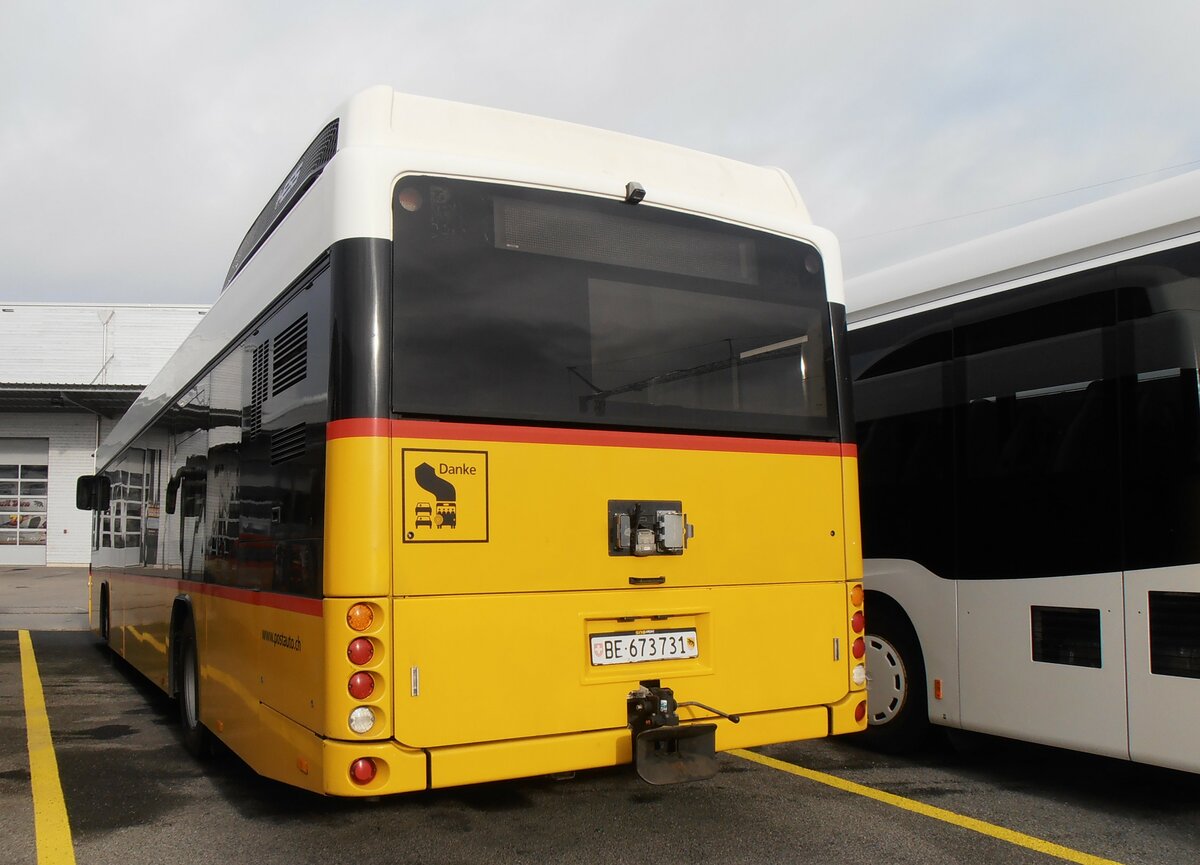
column 24, row 488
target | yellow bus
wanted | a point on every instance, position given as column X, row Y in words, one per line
column 510, row 447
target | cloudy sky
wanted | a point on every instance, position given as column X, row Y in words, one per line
column 138, row 140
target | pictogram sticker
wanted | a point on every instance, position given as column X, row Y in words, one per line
column 445, row 496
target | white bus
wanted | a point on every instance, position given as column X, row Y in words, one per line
column 1029, row 432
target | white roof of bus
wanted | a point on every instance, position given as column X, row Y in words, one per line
column 383, row 134
column 524, row 148
column 1155, row 213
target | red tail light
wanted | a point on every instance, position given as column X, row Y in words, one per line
column 361, row 651
column 860, row 711
column 361, row 686
column 859, row 648
column 362, row 770
column 858, row 622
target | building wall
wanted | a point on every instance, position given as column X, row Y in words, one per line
column 91, row 343
column 79, row 343
column 72, row 453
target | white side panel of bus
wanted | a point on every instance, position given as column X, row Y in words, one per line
column 1163, row 709
column 929, row 602
column 1007, row 693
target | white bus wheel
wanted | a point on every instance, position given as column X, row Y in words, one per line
column 897, row 715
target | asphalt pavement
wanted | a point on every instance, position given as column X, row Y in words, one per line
column 43, row 598
column 130, row 793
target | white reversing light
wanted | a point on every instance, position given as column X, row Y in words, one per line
column 362, row 720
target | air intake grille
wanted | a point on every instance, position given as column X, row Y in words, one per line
column 252, row 421
column 302, row 176
column 289, row 362
column 287, row 444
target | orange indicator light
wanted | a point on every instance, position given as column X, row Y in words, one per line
column 856, row 596
column 360, row 617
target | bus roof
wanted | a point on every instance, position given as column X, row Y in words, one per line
column 1156, row 213
column 562, row 154
column 380, row 134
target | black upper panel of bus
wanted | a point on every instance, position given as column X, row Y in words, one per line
column 297, row 182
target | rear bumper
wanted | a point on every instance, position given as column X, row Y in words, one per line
column 495, row 761
column 323, row 765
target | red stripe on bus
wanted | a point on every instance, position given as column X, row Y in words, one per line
column 358, row 427
column 449, row 431
column 289, row 603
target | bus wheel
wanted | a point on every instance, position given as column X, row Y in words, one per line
column 897, row 715
column 104, row 614
column 195, row 735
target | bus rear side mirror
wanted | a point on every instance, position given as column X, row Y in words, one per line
column 93, row 493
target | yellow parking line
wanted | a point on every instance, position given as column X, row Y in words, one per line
column 50, row 824
column 1018, row 838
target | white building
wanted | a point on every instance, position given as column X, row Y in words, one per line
column 69, row 372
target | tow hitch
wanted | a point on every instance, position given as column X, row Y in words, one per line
column 665, row 751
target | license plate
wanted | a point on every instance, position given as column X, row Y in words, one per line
column 636, row 647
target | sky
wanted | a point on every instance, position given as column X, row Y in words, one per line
column 138, row 140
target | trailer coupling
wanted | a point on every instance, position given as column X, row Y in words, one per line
column 665, row 751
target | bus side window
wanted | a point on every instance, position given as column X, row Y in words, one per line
column 1038, row 491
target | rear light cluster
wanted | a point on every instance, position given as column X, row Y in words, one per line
column 361, row 685
column 858, row 628
column 858, row 649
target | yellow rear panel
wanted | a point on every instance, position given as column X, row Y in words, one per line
column 492, row 614
column 758, row 517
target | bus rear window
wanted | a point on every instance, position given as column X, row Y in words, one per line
column 525, row 305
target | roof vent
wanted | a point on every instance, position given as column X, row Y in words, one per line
column 302, row 176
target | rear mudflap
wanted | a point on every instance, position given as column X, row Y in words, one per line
column 669, row 755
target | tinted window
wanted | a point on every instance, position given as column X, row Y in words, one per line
column 1160, row 309
column 267, row 461
column 1069, row 418
column 905, row 439
column 529, row 305
column 228, row 485
column 1039, row 489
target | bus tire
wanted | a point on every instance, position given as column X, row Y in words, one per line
column 104, row 615
column 196, row 737
column 897, row 714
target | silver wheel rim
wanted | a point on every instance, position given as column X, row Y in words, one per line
column 887, row 688
column 189, row 687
